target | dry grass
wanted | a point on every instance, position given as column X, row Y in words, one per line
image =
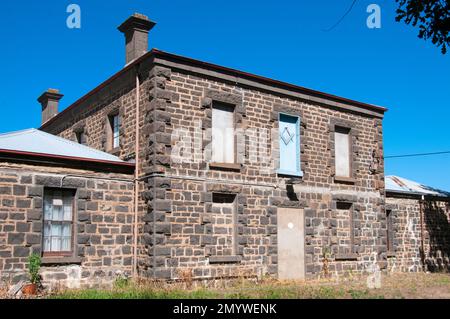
column 417, row 285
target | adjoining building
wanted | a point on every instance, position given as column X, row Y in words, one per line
column 69, row 203
column 418, row 226
column 186, row 166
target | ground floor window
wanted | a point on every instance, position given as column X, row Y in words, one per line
column 58, row 221
column 389, row 231
column 345, row 227
column 224, row 225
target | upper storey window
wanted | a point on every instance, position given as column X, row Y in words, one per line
column 289, row 141
column 342, row 151
column 113, row 132
column 81, row 138
column 223, row 139
column 115, row 127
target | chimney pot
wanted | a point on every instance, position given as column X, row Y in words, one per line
column 49, row 101
column 136, row 29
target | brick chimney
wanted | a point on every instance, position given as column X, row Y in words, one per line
column 49, row 101
column 136, row 30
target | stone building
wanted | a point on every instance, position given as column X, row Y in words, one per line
column 228, row 174
column 418, row 226
column 71, row 204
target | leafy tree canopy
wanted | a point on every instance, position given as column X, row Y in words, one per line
column 431, row 16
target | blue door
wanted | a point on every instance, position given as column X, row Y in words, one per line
column 289, row 136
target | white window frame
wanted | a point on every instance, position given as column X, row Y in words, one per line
column 115, row 125
column 223, row 138
column 339, row 134
column 58, row 225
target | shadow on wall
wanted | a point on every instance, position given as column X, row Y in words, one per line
column 437, row 224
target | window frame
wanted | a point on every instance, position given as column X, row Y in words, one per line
column 79, row 136
column 110, row 132
column 218, row 198
column 71, row 253
column 298, row 172
column 390, row 232
column 222, row 163
column 115, row 135
column 352, row 254
column 344, row 130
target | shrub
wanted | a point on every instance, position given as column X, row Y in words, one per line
column 34, row 264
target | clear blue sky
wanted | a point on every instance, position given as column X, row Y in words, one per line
column 279, row 39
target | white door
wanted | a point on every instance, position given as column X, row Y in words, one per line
column 291, row 244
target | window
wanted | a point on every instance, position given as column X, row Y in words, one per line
column 114, row 131
column 289, row 141
column 58, row 221
column 342, row 154
column 223, row 141
column 81, row 138
column 389, row 231
column 223, row 218
column 345, row 227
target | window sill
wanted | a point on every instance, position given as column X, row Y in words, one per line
column 225, row 166
column 225, row 259
column 60, row 260
column 114, row 151
column 391, row 254
column 282, row 173
column 347, row 180
column 342, row 257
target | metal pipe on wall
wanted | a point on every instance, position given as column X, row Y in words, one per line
column 136, row 174
column 422, row 246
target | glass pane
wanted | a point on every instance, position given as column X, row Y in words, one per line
column 65, row 245
column 116, row 125
column 46, row 243
column 66, row 230
column 57, row 213
column 57, row 194
column 47, row 229
column 67, row 209
column 56, row 244
column 56, row 230
column 48, row 207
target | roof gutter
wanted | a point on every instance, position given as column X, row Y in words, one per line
column 155, row 53
column 416, row 195
column 70, row 160
column 258, row 78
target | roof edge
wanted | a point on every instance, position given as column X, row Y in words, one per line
column 258, row 78
column 155, row 53
column 416, row 195
column 58, row 158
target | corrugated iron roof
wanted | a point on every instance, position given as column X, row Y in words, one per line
column 35, row 141
column 403, row 185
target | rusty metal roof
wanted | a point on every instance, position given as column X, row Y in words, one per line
column 398, row 184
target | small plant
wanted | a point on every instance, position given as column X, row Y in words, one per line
column 34, row 265
column 121, row 282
